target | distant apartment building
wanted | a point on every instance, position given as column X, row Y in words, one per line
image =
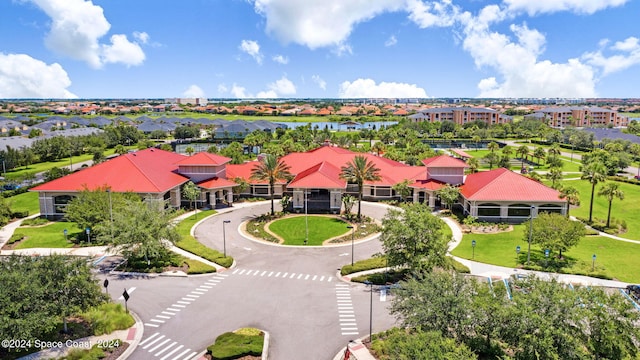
column 579, row 116
column 188, row 101
column 461, row 115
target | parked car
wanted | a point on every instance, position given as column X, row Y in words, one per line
column 634, row 292
column 11, row 186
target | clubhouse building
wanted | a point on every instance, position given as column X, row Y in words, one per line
column 158, row 176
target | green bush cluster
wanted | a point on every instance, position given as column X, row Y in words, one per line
column 229, row 346
column 193, row 246
column 35, row 221
column 198, row 267
column 107, row 318
column 363, row 265
column 15, row 238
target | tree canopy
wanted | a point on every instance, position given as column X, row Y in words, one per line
column 555, row 232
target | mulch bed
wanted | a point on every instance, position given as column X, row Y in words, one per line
column 116, row 351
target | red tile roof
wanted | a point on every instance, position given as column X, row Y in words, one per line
column 216, row 183
column 320, row 176
column 461, row 153
column 505, row 185
column 444, row 161
column 146, row 171
column 204, row 158
column 428, row 184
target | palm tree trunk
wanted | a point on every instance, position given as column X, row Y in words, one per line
column 568, row 207
column 359, row 201
column 272, row 189
column 593, row 189
column 609, row 214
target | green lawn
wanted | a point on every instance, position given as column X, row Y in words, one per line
column 20, row 172
column 321, row 228
column 24, row 202
column 190, row 244
column 627, row 209
column 48, row 236
column 616, row 259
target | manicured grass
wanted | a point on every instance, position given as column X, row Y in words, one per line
column 321, row 228
column 190, row 244
column 24, row 202
column 48, row 165
column 615, row 259
column 48, row 236
column 197, row 267
column 627, row 209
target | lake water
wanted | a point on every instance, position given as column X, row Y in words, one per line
column 339, row 126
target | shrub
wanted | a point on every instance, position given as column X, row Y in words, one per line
column 19, row 214
column 230, row 346
column 15, row 238
column 197, row 267
column 457, row 266
column 35, row 221
column 107, row 318
column 363, row 265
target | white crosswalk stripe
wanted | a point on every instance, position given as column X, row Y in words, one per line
column 281, row 275
column 160, row 345
column 346, row 316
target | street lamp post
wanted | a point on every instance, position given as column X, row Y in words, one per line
column 110, row 213
column 65, row 232
column 224, row 238
column 352, row 231
column 517, row 253
column 473, row 249
column 370, row 309
column 88, row 231
column 593, row 262
column 530, row 233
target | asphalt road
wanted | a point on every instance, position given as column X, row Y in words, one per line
column 294, row 293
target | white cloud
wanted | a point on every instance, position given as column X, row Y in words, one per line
column 268, row 94
column 142, row 37
column 283, row 86
column 365, row 88
column 252, row 48
column 22, row 76
column 122, row 51
column 318, row 80
column 522, row 74
column 76, row 27
column 630, row 49
column 432, row 13
column 239, row 92
column 222, row 89
column 391, row 41
column 194, row 91
column 281, row 59
column 319, row 23
column 533, row 7
column 342, row 49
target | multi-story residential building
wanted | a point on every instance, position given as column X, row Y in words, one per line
column 579, row 116
column 461, row 115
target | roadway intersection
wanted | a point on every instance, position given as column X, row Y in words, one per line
column 294, row 293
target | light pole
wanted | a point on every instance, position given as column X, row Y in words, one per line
column 517, row 253
column 593, row 263
column 530, row 233
column 352, row 231
column 306, row 218
column 65, row 232
column 224, row 238
column 110, row 213
column 88, row 231
column 367, row 282
column 473, row 249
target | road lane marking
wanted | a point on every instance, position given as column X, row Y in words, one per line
column 166, row 348
column 168, row 313
column 190, row 356
column 172, row 309
column 264, row 272
column 147, row 339
column 171, row 353
column 307, row 277
column 197, row 292
column 163, row 317
column 152, row 325
column 206, row 287
column 271, row 273
column 314, row 277
column 181, row 355
column 153, row 342
column 292, row 275
column 278, row 274
column 178, row 305
column 158, row 321
column 157, row 346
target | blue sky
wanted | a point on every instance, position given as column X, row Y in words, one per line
column 319, row 48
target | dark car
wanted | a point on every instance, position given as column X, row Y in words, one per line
column 634, row 291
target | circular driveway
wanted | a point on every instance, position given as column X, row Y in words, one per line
column 293, row 292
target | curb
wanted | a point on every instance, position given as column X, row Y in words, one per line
column 265, row 346
column 136, row 340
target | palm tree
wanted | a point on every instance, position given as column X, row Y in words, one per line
column 555, row 175
column 572, row 195
column 594, row 172
column 539, row 153
column 476, row 139
column 190, row 150
column 493, row 146
column 611, row 191
column 270, row 168
column 358, row 171
column 474, row 164
column 378, row 147
column 522, row 152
